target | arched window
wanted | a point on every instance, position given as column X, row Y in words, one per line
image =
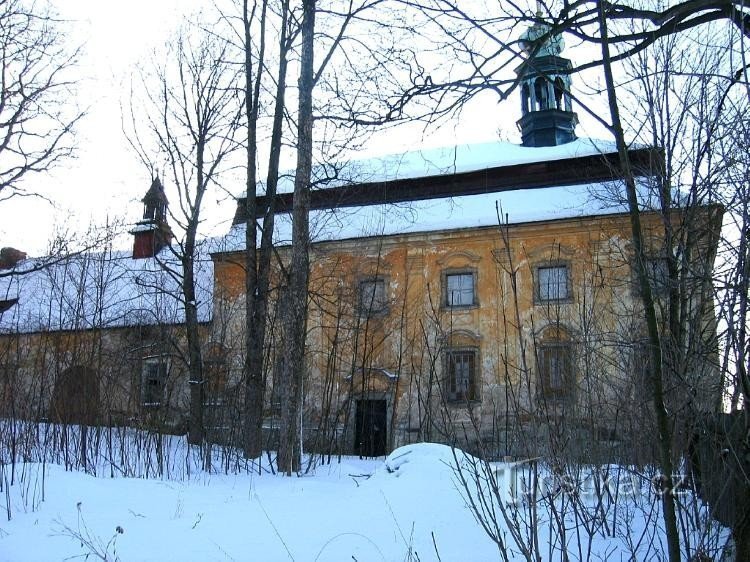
column 215, row 371
column 462, row 375
column 540, row 89
column 555, row 362
column 525, row 99
column 559, row 94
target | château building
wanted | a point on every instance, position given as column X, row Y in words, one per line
column 480, row 294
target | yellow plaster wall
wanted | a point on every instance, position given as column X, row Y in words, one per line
column 409, row 339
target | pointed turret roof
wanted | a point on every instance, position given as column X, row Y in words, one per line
column 155, row 193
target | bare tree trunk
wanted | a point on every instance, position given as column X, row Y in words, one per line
column 294, row 310
column 253, row 371
column 195, row 361
column 655, row 346
column 258, row 264
column 192, row 117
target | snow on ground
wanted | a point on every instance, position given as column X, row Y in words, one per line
column 336, row 514
column 410, row 506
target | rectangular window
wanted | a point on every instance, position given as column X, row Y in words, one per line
column 459, row 289
column 461, row 381
column 215, row 375
column 372, row 297
column 153, row 380
column 552, row 283
column 643, row 370
column 555, row 366
column 657, row 273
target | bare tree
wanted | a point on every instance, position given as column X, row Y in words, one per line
column 258, row 259
column 37, row 108
column 654, row 334
column 342, row 113
column 474, row 50
column 294, row 298
column 192, row 115
column 486, row 46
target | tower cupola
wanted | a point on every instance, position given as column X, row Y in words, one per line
column 155, row 202
column 152, row 232
column 547, row 110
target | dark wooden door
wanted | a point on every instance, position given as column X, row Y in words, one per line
column 370, row 428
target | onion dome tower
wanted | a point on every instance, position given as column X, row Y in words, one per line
column 548, row 118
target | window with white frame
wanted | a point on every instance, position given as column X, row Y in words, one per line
column 153, row 380
column 552, row 283
column 459, row 289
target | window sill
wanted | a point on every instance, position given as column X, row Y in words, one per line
column 552, row 302
column 459, row 307
column 556, row 397
column 374, row 315
column 656, row 292
column 463, row 403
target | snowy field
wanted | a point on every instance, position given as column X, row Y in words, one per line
column 336, row 514
column 412, row 506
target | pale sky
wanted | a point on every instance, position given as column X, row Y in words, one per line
column 106, row 179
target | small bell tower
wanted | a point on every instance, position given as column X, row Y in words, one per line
column 152, row 232
column 548, row 118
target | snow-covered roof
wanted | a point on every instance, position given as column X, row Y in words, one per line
column 470, row 211
column 102, row 290
column 445, row 160
column 456, row 212
column 110, row 289
column 144, row 226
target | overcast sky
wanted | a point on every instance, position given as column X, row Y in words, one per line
column 106, row 180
